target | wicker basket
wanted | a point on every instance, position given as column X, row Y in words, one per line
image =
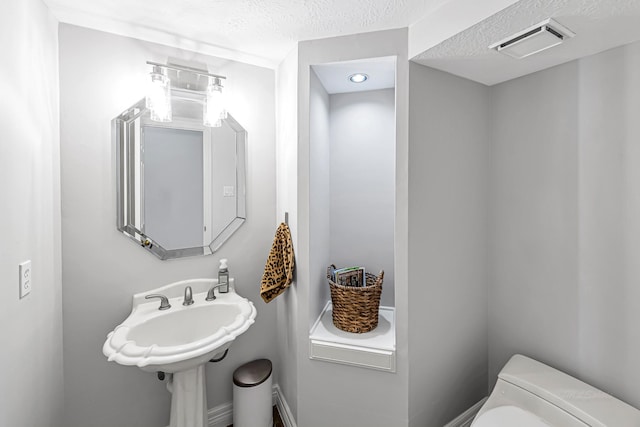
column 355, row 309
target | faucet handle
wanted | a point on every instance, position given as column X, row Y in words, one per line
column 188, row 296
column 164, row 301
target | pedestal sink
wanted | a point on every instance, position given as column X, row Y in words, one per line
column 180, row 340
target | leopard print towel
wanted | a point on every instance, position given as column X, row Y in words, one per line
column 278, row 271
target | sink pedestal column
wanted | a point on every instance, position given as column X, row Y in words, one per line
column 189, row 398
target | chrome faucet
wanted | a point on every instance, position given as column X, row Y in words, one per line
column 211, row 294
column 164, row 301
column 188, row 296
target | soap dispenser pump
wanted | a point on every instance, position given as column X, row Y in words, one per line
column 223, row 277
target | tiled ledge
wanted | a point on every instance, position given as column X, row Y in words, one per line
column 372, row 350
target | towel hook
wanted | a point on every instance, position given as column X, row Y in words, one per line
column 286, row 218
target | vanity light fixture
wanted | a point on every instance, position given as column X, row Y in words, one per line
column 158, row 99
column 358, row 78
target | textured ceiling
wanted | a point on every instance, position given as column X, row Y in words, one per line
column 598, row 24
column 263, row 28
column 262, row 32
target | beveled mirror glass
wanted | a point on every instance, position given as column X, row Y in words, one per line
column 180, row 184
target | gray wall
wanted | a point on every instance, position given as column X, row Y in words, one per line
column 448, row 175
column 362, row 196
column 534, row 204
column 321, row 177
column 565, row 226
column 101, row 75
column 31, row 328
column 287, row 201
column 609, row 221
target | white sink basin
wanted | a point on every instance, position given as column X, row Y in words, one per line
column 200, row 321
column 182, row 337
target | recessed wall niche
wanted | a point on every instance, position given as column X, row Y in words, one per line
column 352, row 169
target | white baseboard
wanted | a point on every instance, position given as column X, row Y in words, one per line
column 283, row 408
column 222, row 415
column 465, row 419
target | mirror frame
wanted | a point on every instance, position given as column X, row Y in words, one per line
column 125, row 125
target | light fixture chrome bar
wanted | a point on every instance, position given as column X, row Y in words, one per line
column 186, row 69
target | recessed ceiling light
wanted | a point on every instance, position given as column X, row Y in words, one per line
column 358, row 77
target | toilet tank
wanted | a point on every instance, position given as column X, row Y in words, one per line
column 528, row 390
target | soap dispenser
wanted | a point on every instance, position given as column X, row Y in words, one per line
column 223, row 277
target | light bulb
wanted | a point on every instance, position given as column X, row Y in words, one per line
column 213, row 110
column 158, row 99
column 358, row 78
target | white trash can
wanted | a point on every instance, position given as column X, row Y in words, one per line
column 252, row 406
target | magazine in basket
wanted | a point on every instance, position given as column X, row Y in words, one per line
column 350, row 276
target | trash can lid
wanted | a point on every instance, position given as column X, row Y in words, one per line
column 253, row 373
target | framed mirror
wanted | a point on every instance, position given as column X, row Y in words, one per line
column 180, row 184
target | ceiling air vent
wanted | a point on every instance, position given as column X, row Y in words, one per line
column 534, row 39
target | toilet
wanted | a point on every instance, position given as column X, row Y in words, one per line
column 531, row 394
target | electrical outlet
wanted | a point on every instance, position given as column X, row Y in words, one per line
column 24, row 269
column 228, row 191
